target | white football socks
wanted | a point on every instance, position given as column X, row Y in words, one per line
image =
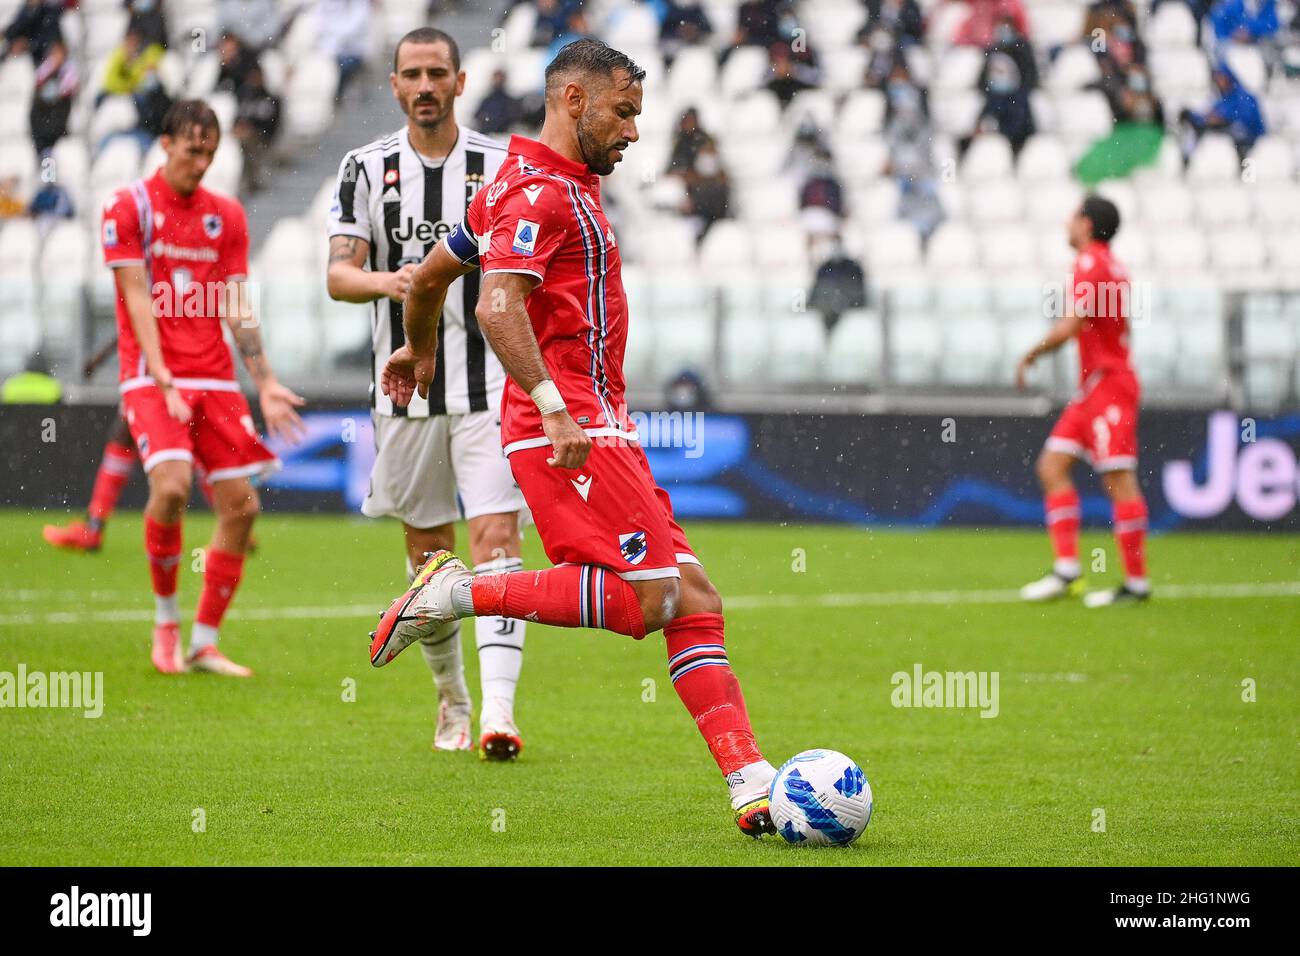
column 1067, row 568
column 500, row 642
column 201, row 636
column 165, row 609
column 442, row 653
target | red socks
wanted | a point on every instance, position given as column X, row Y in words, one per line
column 162, row 542
column 114, row 472
column 221, row 573
column 571, row 595
column 1130, row 519
column 1063, row 519
column 703, row 679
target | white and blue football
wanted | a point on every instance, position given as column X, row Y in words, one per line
column 820, row 798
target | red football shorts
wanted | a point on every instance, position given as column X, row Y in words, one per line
column 220, row 436
column 608, row 513
column 1100, row 423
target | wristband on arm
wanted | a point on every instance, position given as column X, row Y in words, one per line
column 547, row 397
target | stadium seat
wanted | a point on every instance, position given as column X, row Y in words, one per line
column 1180, row 252
column 72, row 172
column 694, row 73
column 832, row 25
column 1122, row 194
column 117, row 164
column 1181, row 74
column 727, row 245
column 855, row 349
column 952, row 248
column 665, row 241
column 844, row 71
column 1082, row 116
column 798, row 348
column 863, row 114
column 1054, row 250
column 1271, row 160
column 1165, row 204
column 1171, row 25
column 115, row 114
column 1246, row 61
column 746, row 69
column 1214, row 160
column 779, row 245
column 684, row 341
column 517, row 27
column 1054, row 24
column 1073, row 69
column 859, row 163
column 972, row 347
column 1276, row 205
column 754, row 116
column 1284, row 257
column 876, row 203
column 1043, row 159
column 956, row 112
column 817, row 106
column 988, row 158
column 19, row 242
column 959, row 69
column 916, row 346
column 1052, row 203
column 995, row 202
column 1155, row 351
column 630, row 25
column 1009, row 248
column 1222, row 204
column 1132, row 248
column 17, row 82
column 892, row 246
column 204, row 71
column 961, row 295
column 944, row 21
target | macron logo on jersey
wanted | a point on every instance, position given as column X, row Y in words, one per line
column 525, row 238
column 532, row 192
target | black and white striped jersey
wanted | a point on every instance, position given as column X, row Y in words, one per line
column 402, row 203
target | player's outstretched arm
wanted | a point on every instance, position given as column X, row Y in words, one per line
column 133, row 286
column 504, row 320
column 347, row 280
column 411, row 366
column 1064, row 329
column 278, row 403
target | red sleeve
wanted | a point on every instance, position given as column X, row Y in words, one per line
column 119, row 233
column 474, row 215
column 234, row 258
column 526, row 225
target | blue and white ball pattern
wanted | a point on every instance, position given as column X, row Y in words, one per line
column 820, row 798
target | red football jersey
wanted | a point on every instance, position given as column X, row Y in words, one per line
column 542, row 217
column 1101, row 292
column 190, row 246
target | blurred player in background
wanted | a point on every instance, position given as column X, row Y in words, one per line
column 553, row 307
column 1100, row 423
column 115, row 469
column 180, row 258
column 396, row 198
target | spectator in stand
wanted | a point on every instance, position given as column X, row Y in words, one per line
column 499, row 111
column 256, row 121
column 1236, row 112
column 1121, row 44
column 50, row 204
column 1129, row 94
column 255, row 22
column 684, row 24
column 131, row 67
column 911, row 163
column 708, row 189
column 1245, row 21
column 34, row 29
column 56, row 86
column 980, row 26
column 821, row 198
column 1006, row 101
column 809, row 144
column 757, row 24
column 688, row 141
column 885, row 52
column 552, row 21
column 901, row 19
column 342, row 31
column 1007, row 39
column 839, row 285
column 237, row 62
column 148, row 19
column 575, row 28
column 786, row 80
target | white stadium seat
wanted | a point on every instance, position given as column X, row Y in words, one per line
column 754, row 116
column 989, row 157
column 972, row 348
column 855, row 349
column 1083, row 116
column 1009, row 248
column 1277, row 206
column 1246, row 61
column 995, row 202
column 892, row 245
column 916, row 346
column 1180, row 252
column 1172, row 25
column 747, row 351
column 1165, row 204
column 1054, row 24
column 951, row 248
column 798, row 347
column 1051, row 204
column 1043, row 159
column 1271, row 160
column 1214, row 160
column 746, row 69
column 877, row 202
column 1074, row 68
column 959, row 69
column 862, row 114
column 1222, row 204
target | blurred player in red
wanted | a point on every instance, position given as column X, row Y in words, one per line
column 552, row 307
column 1100, row 423
column 180, row 257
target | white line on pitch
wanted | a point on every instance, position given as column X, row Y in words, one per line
column 744, row 602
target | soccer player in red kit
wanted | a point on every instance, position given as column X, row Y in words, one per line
column 180, row 257
column 1100, row 423
column 553, row 309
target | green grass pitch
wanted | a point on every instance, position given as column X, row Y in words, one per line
column 1136, row 714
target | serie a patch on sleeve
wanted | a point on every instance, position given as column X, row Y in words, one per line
column 525, row 238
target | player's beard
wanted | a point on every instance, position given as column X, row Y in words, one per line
column 437, row 119
column 594, row 153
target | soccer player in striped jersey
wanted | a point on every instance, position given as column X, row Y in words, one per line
column 553, row 307
column 436, row 458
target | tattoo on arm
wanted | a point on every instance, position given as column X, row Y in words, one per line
column 344, row 249
column 249, row 341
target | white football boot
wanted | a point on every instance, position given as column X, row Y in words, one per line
column 453, row 730
column 498, row 736
column 419, row 612
column 1051, row 586
column 749, row 788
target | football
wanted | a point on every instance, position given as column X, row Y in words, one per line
column 820, row 798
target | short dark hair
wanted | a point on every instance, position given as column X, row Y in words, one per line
column 429, row 35
column 590, row 56
column 184, row 115
column 1104, row 216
